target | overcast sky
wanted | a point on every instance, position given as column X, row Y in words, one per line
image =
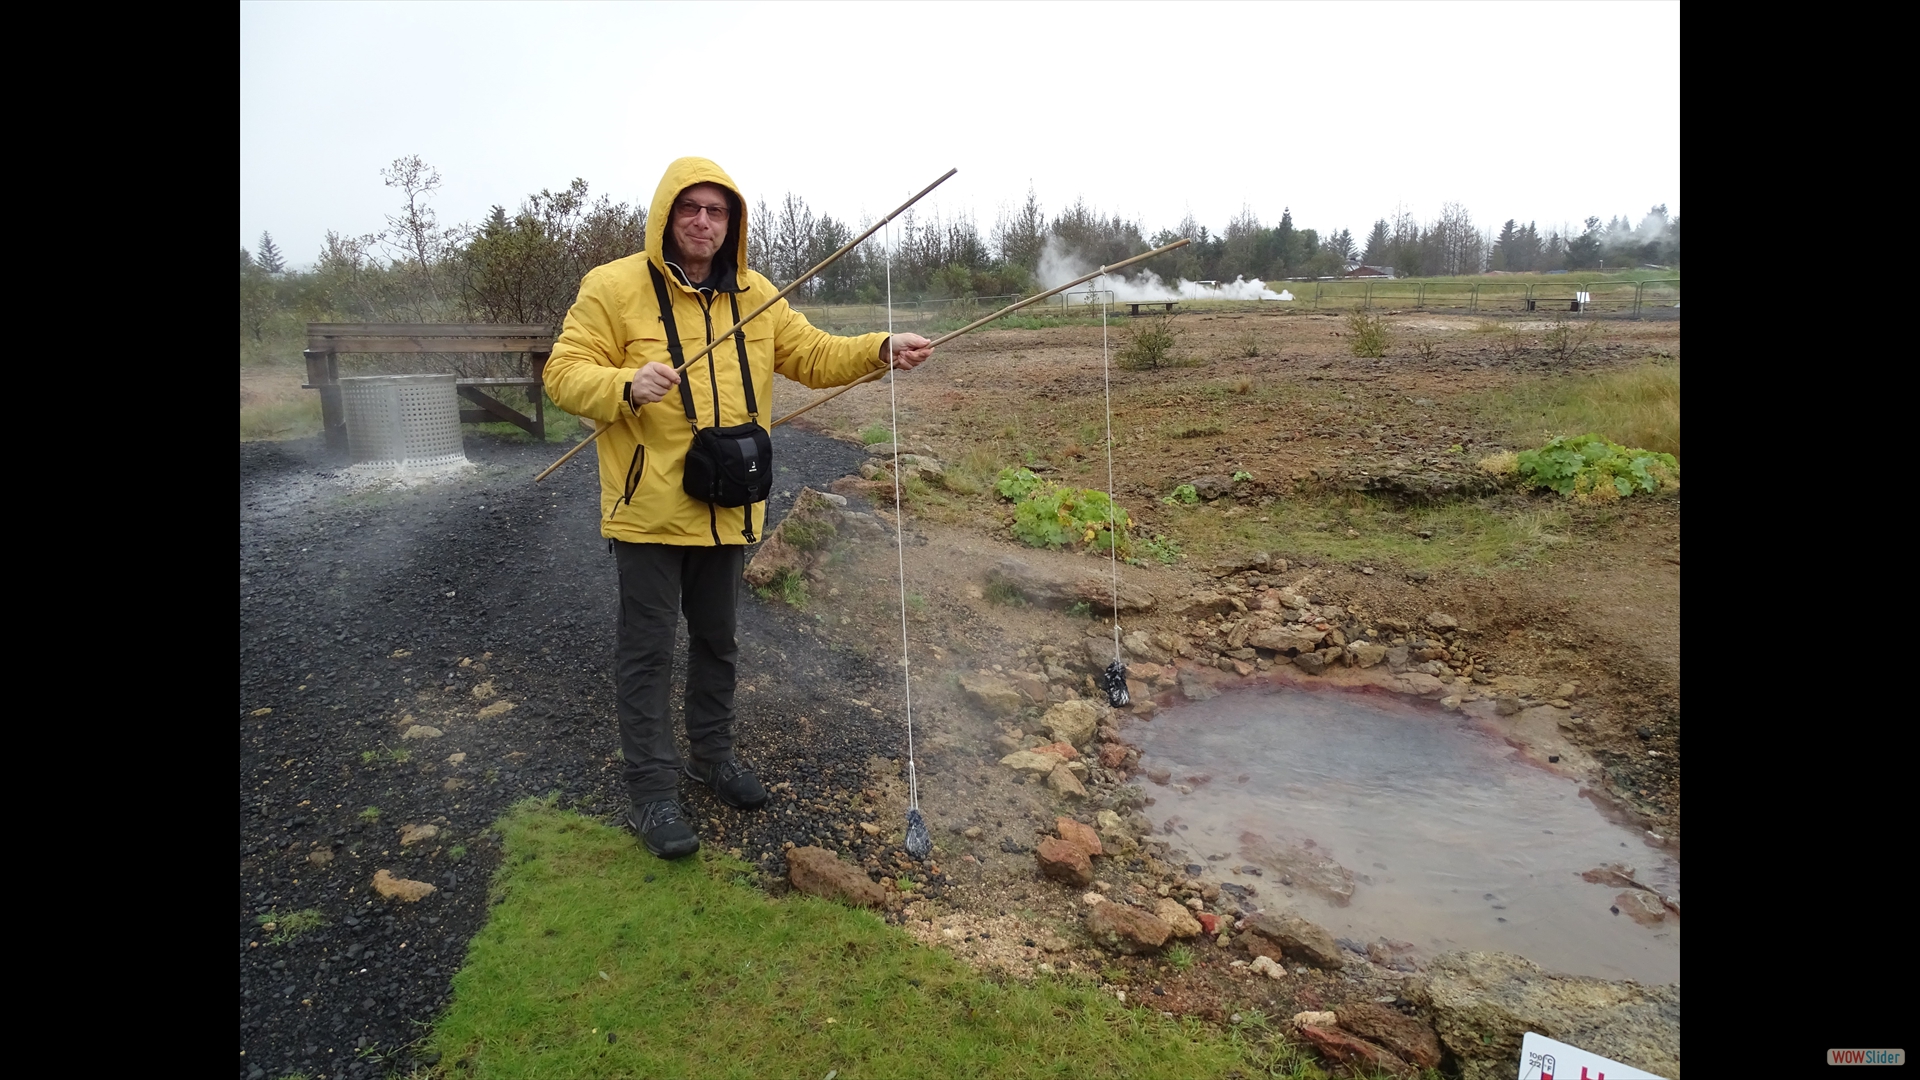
column 1545, row 112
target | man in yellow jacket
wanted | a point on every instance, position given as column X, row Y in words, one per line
column 613, row 363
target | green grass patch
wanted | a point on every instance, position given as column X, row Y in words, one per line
column 875, row 433
column 285, row 927
column 294, row 419
column 600, row 960
column 1636, row 406
column 788, row 587
column 1466, row 535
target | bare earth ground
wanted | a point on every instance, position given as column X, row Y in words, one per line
column 1595, row 602
column 365, row 614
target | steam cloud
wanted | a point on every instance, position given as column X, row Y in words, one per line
column 1059, row 266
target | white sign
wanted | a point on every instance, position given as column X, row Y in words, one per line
column 1542, row 1058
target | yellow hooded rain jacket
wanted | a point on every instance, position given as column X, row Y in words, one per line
column 614, row 328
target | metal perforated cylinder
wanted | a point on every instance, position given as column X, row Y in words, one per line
column 403, row 421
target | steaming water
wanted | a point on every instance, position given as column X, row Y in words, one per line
column 1453, row 843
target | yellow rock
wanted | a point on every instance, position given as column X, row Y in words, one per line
column 400, row 888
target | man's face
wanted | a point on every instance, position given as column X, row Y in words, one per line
column 700, row 221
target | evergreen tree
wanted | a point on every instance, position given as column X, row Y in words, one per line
column 1583, row 251
column 1019, row 236
column 270, row 259
column 1285, row 253
column 1378, row 245
column 1503, row 247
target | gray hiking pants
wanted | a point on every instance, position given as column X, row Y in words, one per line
column 658, row 582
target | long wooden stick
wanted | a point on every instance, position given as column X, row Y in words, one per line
column 756, row 312
column 978, row 323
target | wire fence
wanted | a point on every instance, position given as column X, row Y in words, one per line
column 1653, row 298
column 1657, row 296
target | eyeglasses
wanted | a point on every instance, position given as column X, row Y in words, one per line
column 689, row 210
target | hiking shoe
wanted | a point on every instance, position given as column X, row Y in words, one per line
column 662, row 830
column 732, row 783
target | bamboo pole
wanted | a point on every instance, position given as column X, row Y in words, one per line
column 978, row 323
column 756, row 312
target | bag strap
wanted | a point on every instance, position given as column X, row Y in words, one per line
column 746, row 370
column 674, row 351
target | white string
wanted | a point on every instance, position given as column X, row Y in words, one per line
column 899, row 539
column 1113, row 535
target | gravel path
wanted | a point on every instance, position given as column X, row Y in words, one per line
column 366, row 611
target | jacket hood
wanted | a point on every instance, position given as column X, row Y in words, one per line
column 681, row 175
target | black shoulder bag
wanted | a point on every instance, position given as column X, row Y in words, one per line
column 726, row 466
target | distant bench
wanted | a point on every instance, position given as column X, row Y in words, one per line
column 1133, row 309
column 326, row 341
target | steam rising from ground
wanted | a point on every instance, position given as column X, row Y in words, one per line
column 1059, row 266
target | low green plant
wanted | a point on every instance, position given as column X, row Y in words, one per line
column 788, row 587
column 875, row 433
column 1080, row 609
column 811, row 534
column 1591, row 469
column 1062, row 517
column 1149, row 345
column 371, row 815
column 1180, row 957
column 1366, row 334
column 1016, row 483
column 1242, row 475
column 285, row 928
column 456, row 852
column 1161, row 548
column 397, row 757
column 1184, row 495
column 999, row 591
column 1051, row 516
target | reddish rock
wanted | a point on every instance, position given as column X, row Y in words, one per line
column 818, row 872
column 1064, row 751
column 1209, row 922
column 1077, row 833
column 1064, row 860
column 1408, row 1038
column 1113, row 755
column 1297, row 939
column 1124, row 928
column 1353, row 1051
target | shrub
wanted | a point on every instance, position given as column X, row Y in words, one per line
column 1367, row 334
column 1591, row 469
column 1150, row 344
column 1185, row 495
column 875, row 433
